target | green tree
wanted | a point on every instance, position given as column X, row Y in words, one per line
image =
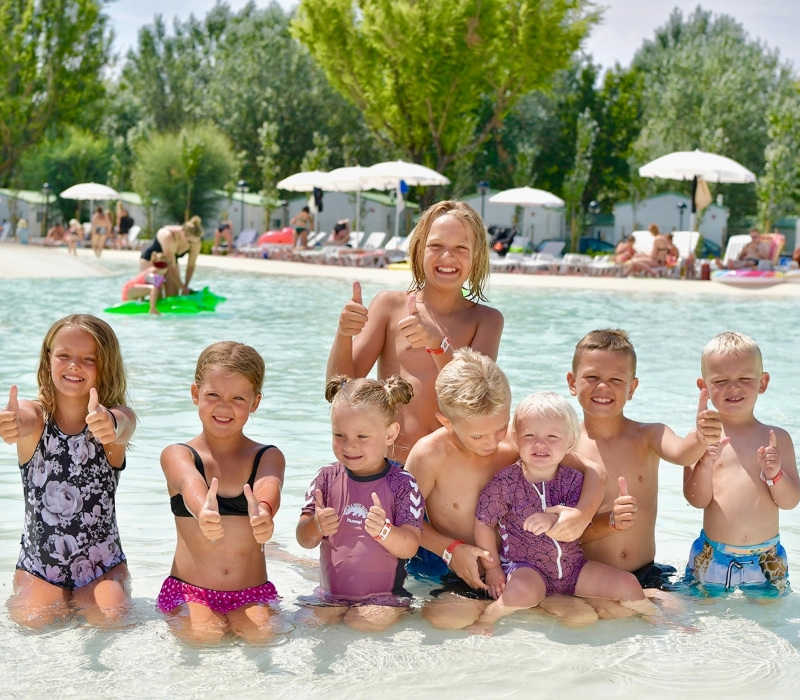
column 268, row 163
column 182, row 170
column 75, row 156
column 422, row 72
column 778, row 188
column 51, row 56
column 707, row 85
column 575, row 184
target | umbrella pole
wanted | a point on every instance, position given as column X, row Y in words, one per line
column 358, row 209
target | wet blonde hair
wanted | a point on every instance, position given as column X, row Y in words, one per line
column 194, row 227
column 478, row 245
column 384, row 395
column 608, row 339
column 234, row 357
column 471, row 385
column 112, row 382
column 731, row 343
column 549, row 405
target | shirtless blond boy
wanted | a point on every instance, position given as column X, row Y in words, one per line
column 414, row 333
column 452, row 466
column 743, row 482
column 603, row 378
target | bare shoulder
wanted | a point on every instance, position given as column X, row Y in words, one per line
column 389, row 300
column 429, row 452
column 272, row 461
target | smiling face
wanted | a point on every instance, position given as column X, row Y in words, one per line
column 603, row 381
column 225, row 401
column 734, row 381
column 542, row 441
column 447, row 258
column 73, row 362
column 481, row 435
column 361, row 437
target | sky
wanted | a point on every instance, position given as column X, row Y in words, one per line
column 625, row 24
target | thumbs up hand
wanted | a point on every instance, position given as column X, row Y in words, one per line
column 260, row 517
column 709, row 424
column 376, row 518
column 418, row 332
column 327, row 518
column 769, row 459
column 623, row 513
column 209, row 518
column 354, row 315
column 9, row 418
column 101, row 422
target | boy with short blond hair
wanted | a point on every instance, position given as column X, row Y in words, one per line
column 452, row 466
column 742, row 482
column 603, row 378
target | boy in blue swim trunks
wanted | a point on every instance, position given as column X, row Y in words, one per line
column 452, row 466
column 742, row 482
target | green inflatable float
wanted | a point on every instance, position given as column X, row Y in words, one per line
column 193, row 303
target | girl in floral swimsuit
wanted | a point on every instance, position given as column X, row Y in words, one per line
column 71, row 450
column 224, row 491
column 531, row 564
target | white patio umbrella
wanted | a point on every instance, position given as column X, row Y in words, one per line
column 89, row 191
column 306, row 181
column 353, row 178
column 687, row 165
column 527, row 197
column 391, row 173
column 691, row 165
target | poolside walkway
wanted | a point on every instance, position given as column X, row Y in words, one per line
column 17, row 261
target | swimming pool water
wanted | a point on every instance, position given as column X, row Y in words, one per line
column 724, row 648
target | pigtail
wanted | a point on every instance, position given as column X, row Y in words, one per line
column 334, row 386
column 398, row 391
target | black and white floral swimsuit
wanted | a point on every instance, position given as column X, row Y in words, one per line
column 70, row 535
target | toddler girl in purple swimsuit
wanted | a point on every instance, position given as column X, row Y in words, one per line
column 363, row 510
column 532, row 565
column 224, row 491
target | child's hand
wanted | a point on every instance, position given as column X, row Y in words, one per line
column 571, row 523
column 260, row 517
column 354, row 315
column 209, row 518
column 709, row 424
column 9, row 418
column 376, row 518
column 417, row 332
column 769, row 459
column 496, row 581
column 100, row 421
column 711, row 455
column 327, row 518
column 623, row 512
column 539, row 523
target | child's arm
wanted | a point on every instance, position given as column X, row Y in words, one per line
column 352, row 321
column 200, row 499
column 697, row 480
column 402, row 541
column 486, row 538
column 312, row 527
column 111, row 426
column 690, row 449
column 19, row 420
column 620, row 517
column 573, row 521
column 264, row 499
column 777, row 463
